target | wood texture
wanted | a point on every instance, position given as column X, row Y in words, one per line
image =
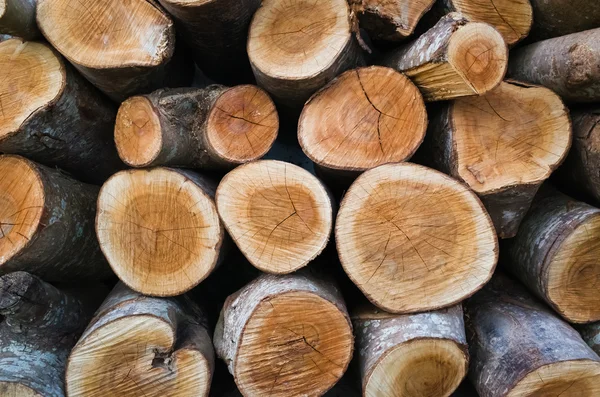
column 554, row 18
column 591, row 335
column 17, row 18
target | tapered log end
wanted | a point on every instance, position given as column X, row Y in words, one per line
column 279, row 215
column 12, row 389
column 573, row 378
column 13, row 287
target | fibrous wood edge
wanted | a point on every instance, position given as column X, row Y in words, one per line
column 555, row 18
column 17, row 18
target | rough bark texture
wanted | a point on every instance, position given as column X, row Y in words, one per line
column 18, row 19
column 555, row 18
column 591, row 335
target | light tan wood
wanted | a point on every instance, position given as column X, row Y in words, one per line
column 565, row 379
column 10, row 389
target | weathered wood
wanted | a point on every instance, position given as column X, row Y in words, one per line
column 17, row 18
column 591, row 335
column 554, row 18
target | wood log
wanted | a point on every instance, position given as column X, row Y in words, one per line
column 297, row 46
column 123, row 47
column 519, row 347
column 554, row 18
column 159, row 229
column 279, row 215
column 455, row 58
column 285, row 336
column 215, row 127
column 364, row 118
column 556, row 253
column 413, row 239
column 47, row 223
column 568, row 65
column 52, row 115
column 17, row 18
column 410, row 355
column 591, row 335
column 138, row 345
column 503, row 145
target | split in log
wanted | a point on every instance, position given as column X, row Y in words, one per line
column 568, row 65
column 47, row 223
column 364, row 118
column 455, row 58
column 519, row 347
column 503, row 145
column 554, row 18
column 17, row 18
column 138, row 345
column 215, row 127
column 410, row 355
column 285, row 336
column 52, row 115
column 413, row 239
column 591, row 334
column 556, row 255
column 279, row 215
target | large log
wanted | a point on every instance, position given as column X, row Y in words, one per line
column 47, row 223
column 159, row 229
column 142, row 346
column 455, row 58
column 413, row 239
column 52, row 115
column 519, row 347
column 503, row 145
column 285, row 336
column 17, row 18
column 554, row 18
column 410, row 355
column 591, row 334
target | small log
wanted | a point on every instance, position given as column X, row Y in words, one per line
column 519, row 347
column 52, row 115
column 591, row 335
column 142, row 346
column 413, row 239
column 17, row 18
column 285, row 336
column 410, row 355
column 503, row 145
column 47, row 223
column 455, row 58
column 568, row 65
column 364, row 118
column 556, row 253
column 123, row 47
column 279, row 215
column 554, row 18
column 215, row 127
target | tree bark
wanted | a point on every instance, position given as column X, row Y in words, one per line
column 17, row 18
column 554, row 18
column 519, row 347
column 285, row 336
column 591, row 335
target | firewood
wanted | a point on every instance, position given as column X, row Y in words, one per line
column 17, row 18
column 455, row 58
column 285, row 336
column 215, row 127
column 123, row 47
column 568, row 65
column 410, row 355
column 52, row 115
column 47, row 223
column 159, row 229
column 555, row 255
column 296, row 47
column 413, row 239
column 142, row 346
column 591, row 334
column 279, row 215
column 519, row 347
column 364, row 118
column 554, row 18
column 503, row 145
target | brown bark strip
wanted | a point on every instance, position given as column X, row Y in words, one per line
column 17, row 18
column 554, row 18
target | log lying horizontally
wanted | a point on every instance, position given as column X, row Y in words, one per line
column 554, row 18
column 17, row 18
column 159, row 229
column 137, row 345
column 591, row 334
column 285, row 336
column 410, row 355
column 455, row 58
column 503, row 145
column 413, row 239
column 519, row 347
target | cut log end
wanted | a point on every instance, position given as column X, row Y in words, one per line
column 11, row 389
column 568, row 378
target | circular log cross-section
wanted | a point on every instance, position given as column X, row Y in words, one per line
column 413, row 239
column 364, row 118
column 159, row 229
column 279, row 215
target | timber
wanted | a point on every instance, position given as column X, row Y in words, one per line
column 17, row 18
column 554, row 18
column 591, row 334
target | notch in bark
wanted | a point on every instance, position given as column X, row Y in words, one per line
column 519, row 347
column 591, row 335
column 138, row 345
column 503, row 145
column 285, row 336
column 159, row 229
column 410, row 355
column 413, row 239
column 214, row 127
column 453, row 59
column 554, row 18
column 17, row 18
column 47, row 223
column 279, row 215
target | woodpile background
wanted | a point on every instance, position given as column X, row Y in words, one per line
column 298, row 198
